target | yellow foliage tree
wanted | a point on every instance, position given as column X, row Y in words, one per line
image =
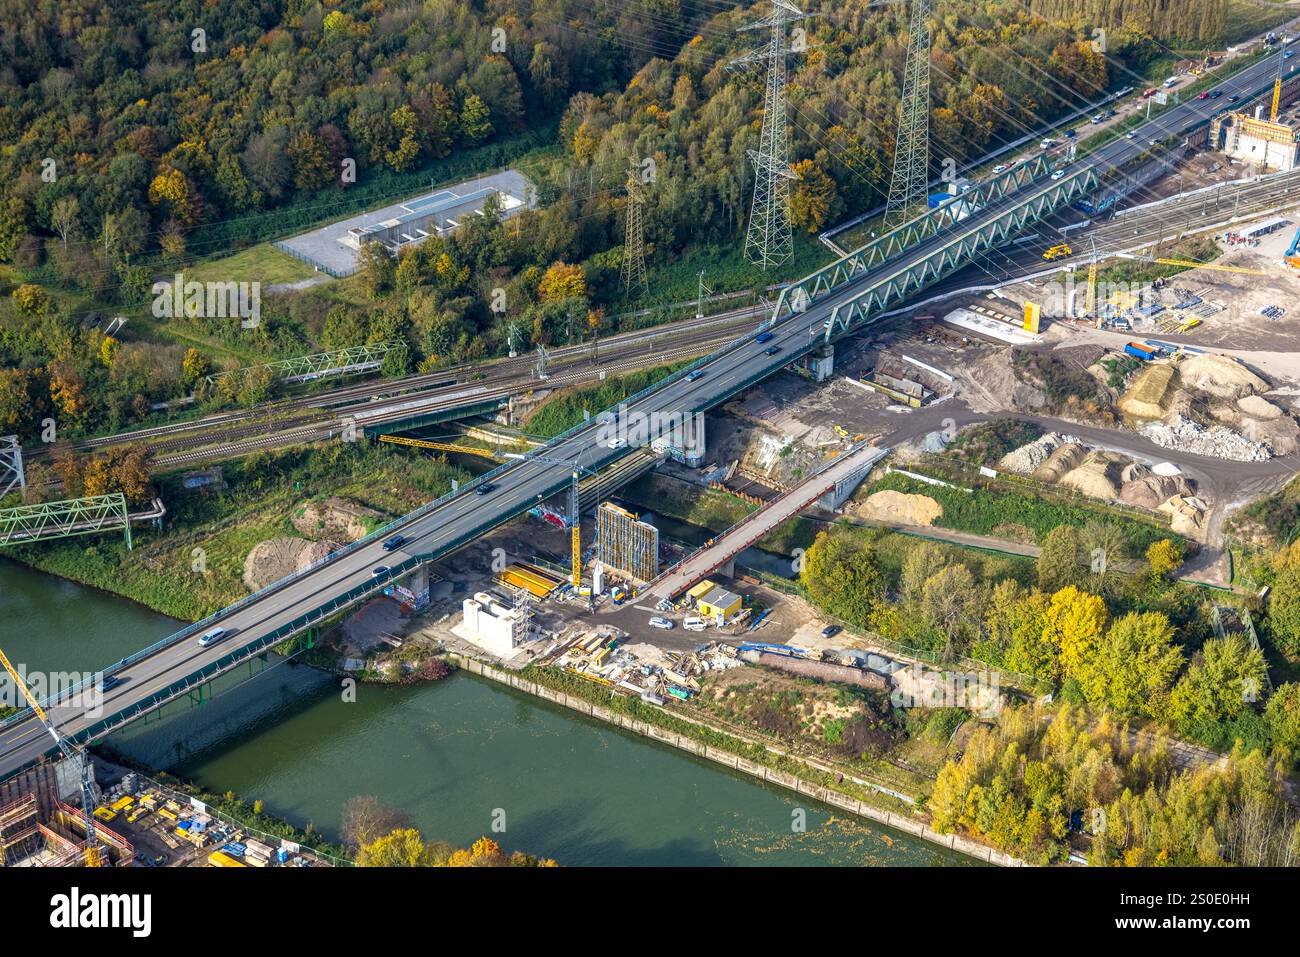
column 562, row 281
column 1074, row 622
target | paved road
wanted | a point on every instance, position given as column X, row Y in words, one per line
column 524, row 483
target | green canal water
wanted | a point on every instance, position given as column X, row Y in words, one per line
column 455, row 755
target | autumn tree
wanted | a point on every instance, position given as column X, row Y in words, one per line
column 1073, row 624
column 1164, row 558
column 840, row 575
column 1058, row 562
column 562, row 281
column 1133, row 667
column 813, row 198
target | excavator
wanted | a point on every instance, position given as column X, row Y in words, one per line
column 93, row 853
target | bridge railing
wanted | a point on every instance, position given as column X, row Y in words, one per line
column 797, row 296
column 958, row 251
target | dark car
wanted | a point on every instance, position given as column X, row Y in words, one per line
column 397, row 541
column 485, row 488
column 830, row 631
column 772, row 350
column 1234, row 98
column 111, row 682
column 379, row 571
column 691, row 377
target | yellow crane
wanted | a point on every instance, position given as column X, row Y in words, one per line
column 1195, row 265
column 74, row 754
column 439, row 446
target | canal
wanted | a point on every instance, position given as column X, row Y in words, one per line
column 455, row 755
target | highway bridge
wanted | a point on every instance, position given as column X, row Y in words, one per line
column 810, row 316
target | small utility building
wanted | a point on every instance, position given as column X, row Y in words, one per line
column 715, row 602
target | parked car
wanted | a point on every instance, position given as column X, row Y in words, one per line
column 830, row 631
column 664, row 623
column 695, row 624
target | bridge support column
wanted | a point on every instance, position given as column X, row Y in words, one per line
column 821, row 363
column 683, row 441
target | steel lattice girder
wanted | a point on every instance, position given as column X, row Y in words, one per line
column 11, row 465
column 956, row 254
column 320, row 363
column 77, row 516
column 799, row 295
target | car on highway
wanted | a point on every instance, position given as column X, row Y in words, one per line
column 1000, row 168
column 212, row 636
column 1070, row 134
column 1288, row 54
column 691, row 377
column 1130, row 135
column 485, row 488
column 379, row 571
column 397, row 541
column 664, row 623
column 1058, row 174
column 110, row 682
column 1234, row 98
column 763, row 337
column 1204, row 95
column 772, row 350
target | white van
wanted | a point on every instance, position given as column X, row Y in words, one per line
column 663, row 623
column 210, row 638
column 695, row 624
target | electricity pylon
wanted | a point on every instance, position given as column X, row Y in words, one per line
column 634, row 280
column 768, row 239
column 911, row 176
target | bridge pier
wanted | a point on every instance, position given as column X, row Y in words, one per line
column 683, row 440
column 821, row 363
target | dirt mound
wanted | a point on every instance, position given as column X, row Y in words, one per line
column 1219, row 442
column 271, row 560
column 994, row 386
column 1258, row 407
column 335, row 518
column 1282, row 435
column 900, row 508
column 1092, row 476
column 1152, row 390
column 1063, row 460
column 1150, row 491
column 1220, row 376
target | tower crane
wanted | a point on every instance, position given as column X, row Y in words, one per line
column 72, row 753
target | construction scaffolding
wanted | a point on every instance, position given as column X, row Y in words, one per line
column 19, row 830
column 626, row 544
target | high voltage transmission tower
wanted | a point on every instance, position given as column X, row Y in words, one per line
column 911, row 177
column 634, row 280
column 768, row 239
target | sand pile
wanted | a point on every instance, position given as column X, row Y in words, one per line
column 1186, row 515
column 1092, row 476
column 1151, row 392
column 1258, row 407
column 900, row 508
column 1151, row 490
column 1064, row 459
column 1220, row 376
column 271, row 560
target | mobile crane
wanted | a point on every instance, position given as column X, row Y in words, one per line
column 72, row 753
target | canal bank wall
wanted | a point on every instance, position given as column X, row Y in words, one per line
column 907, row 825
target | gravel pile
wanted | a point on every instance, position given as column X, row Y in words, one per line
column 1024, row 460
column 1218, row 442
